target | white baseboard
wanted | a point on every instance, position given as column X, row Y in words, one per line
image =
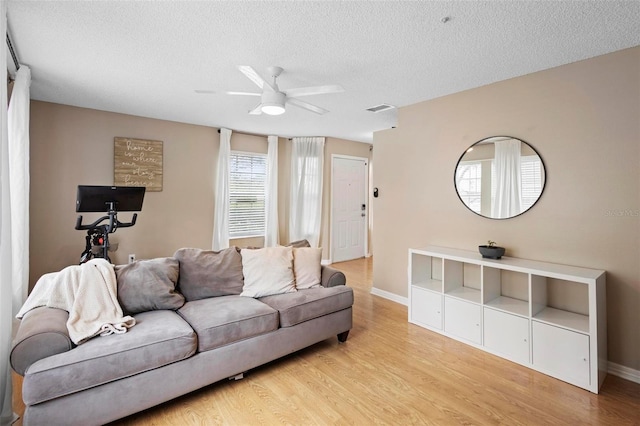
column 326, row 262
column 624, row 372
column 390, row 296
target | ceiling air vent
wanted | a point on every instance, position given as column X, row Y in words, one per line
column 380, row 108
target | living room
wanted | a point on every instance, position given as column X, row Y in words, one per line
column 582, row 117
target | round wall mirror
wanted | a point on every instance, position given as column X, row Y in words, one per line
column 499, row 177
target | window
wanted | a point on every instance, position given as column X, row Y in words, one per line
column 469, row 184
column 532, row 180
column 247, row 176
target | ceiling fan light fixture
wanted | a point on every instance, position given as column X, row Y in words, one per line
column 273, row 109
column 273, row 103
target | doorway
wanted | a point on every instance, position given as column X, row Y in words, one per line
column 349, row 207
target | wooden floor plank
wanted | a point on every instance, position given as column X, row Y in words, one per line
column 390, row 372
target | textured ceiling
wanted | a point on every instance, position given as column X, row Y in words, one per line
column 148, row 58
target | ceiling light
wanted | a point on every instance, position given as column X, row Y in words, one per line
column 272, row 109
column 273, row 103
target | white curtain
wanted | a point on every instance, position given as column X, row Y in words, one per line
column 508, row 199
column 307, row 158
column 221, row 208
column 271, row 230
column 6, row 251
column 18, row 131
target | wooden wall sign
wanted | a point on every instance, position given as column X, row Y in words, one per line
column 137, row 162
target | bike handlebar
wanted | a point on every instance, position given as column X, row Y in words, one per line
column 114, row 223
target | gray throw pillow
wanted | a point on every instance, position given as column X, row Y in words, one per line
column 206, row 273
column 299, row 244
column 148, row 285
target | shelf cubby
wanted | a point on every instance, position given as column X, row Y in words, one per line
column 562, row 303
column 506, row 290
column 426, row 272
column 462, row 280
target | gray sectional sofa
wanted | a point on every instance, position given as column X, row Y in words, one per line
column 189, row 334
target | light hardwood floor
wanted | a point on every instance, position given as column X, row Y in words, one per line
column 394, row 373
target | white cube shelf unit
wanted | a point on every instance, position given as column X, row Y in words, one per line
column 546, row 316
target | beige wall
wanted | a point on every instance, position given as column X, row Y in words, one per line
column 72, row 146
column 584, row 120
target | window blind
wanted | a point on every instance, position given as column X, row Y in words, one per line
column 247, row 177
column 531, row 169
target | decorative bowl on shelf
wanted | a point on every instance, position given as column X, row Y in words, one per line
column 491, row 251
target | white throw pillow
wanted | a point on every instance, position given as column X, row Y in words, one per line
column 306, row 267
column 267, row 271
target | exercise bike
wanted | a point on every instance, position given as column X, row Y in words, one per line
column 95, row 238
column 97, row 199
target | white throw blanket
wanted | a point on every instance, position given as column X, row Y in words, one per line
column 89, row 293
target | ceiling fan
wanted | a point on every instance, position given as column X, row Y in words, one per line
column 273, row 100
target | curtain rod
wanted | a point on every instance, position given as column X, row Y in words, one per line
column 13, row 53
column 248, row 134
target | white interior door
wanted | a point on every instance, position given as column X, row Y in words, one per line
column 349, row 208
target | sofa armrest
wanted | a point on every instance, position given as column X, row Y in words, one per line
column 42, row 333
column 331, row 277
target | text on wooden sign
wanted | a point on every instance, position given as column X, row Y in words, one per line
column 137, row 162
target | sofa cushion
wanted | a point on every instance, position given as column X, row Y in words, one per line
column 267, row 271
column 306, row 267
column 158, row 338
column 307, row 304
column 147, row 285
column 206, row 273
column 219, row 321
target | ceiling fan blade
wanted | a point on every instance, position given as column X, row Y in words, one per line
column 257, row 110
column 306, row 105
column 243, row 93
column 317, row 90
column 252, row 75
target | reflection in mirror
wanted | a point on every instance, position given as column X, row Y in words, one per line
column 500, row 177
